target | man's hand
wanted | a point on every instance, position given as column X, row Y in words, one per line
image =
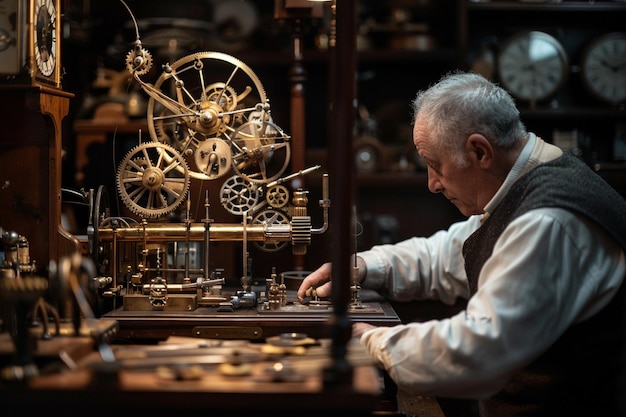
column 318, row 280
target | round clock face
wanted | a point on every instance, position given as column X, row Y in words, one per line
column 604, row 68
column 45, row 36
column 532, row 65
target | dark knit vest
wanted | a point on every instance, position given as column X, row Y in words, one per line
column 584, row 372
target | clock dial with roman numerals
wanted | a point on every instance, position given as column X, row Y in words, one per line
column 45, row 30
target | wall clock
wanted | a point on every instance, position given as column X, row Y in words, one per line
column 532, row 65
column 45, row 42
column 603, row 67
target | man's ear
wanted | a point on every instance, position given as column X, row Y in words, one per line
column 480, row 149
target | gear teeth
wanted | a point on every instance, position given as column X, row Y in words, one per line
column 300, row 234
column 139, row 61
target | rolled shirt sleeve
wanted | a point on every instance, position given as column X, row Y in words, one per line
column 421, row 268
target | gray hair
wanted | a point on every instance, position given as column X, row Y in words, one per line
column 461, row 104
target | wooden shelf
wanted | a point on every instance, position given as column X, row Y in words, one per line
column 569, row 6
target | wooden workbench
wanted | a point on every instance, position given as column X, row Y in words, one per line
column 190, row 376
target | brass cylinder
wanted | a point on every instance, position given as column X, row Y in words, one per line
column 162, row 232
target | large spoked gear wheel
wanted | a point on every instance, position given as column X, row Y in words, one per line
column 261, row 151
column 203, row 97
column 153, row 179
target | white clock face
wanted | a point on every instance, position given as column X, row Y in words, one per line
column 45, row 36
column 532, row 65
column 604, row 68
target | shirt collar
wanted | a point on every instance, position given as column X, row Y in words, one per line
column 515, row 172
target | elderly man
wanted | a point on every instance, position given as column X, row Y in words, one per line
column 540, row 261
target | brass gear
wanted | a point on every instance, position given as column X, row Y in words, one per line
column 261, row 151
column 277, row 196
column 153, row 179
column 139, row 61
column 213, row 157
column 215, row 93
column 270, row 217
column 300, row 234
column 238, row 196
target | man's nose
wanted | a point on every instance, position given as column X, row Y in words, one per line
column 434, row 185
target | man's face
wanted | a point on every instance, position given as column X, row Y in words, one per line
column 459, row 184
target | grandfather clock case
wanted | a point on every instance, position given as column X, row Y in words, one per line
column 32, row 108
column 30, row 169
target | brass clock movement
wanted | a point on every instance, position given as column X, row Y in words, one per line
column 45, row 18
column 532, row 65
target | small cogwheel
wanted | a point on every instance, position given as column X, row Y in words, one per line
column 139, row 61
column 277, row 196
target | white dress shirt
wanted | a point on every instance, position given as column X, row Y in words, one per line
column 549, row 269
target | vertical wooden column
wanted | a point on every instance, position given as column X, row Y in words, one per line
column 54, row 105
column 342, row 119
column 297, row 76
